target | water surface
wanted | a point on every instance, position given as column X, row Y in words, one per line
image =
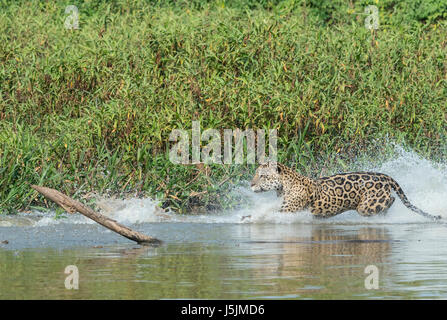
column 269, row 255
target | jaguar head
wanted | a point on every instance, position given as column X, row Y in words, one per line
column 267, row 177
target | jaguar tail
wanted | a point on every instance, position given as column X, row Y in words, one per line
column 407, row 203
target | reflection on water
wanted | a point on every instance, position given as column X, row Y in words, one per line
column 232, row 261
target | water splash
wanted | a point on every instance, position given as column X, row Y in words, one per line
column 424, row 182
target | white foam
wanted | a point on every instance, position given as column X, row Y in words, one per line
column 49, row 219
column 133, row 210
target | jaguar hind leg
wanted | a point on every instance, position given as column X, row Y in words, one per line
column 388, row 203
column 375, row 203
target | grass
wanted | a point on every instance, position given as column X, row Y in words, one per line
column 91, row 110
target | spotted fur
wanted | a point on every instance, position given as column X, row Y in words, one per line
column 367, row 192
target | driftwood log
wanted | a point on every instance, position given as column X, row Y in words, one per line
column 73, row 206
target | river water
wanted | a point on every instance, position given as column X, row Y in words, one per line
column 269, row 255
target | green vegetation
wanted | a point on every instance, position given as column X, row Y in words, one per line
column 91, row 110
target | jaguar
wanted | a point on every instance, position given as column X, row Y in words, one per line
column 367, row 192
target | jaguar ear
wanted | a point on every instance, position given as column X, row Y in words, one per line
column 278, row 168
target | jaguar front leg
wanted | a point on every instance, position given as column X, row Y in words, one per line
column 293, row 204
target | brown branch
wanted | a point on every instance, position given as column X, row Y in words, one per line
column 73, row 206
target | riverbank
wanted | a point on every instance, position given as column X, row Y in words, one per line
column 91, row 110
